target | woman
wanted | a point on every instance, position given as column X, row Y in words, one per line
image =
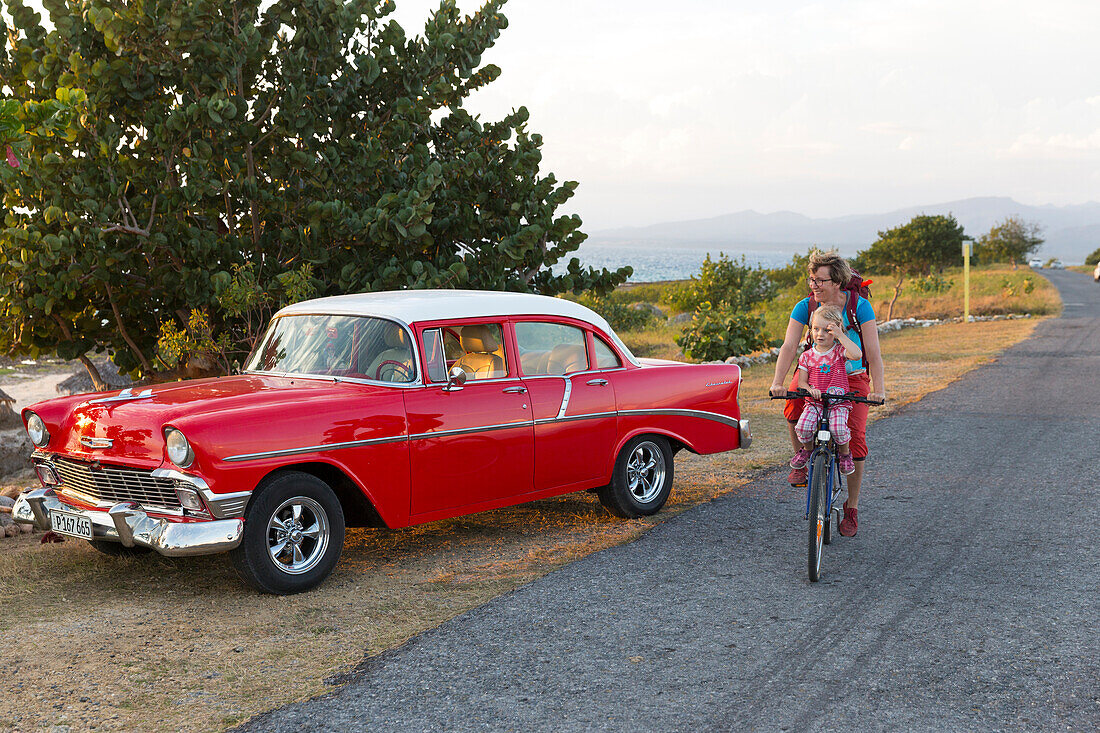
column 828, row 273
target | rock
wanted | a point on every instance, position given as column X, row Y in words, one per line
column 7, row 501
column 25, row 528
column 9, row 418
column 657, row 312
column 80, row 382
column 680, row 318
column 11, row 530
column 13, row 492
column 15, row 452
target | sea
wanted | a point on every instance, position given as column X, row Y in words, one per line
column 654, row 263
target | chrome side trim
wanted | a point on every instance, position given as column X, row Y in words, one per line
column 724, row 419
column 465, row 431
column 315, row 448
column 565, row 397
column 570, row 418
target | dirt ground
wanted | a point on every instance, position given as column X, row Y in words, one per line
column 157, row 644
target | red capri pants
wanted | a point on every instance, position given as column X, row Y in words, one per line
column 857, row 418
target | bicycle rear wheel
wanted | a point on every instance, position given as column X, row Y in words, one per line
column 817, row 521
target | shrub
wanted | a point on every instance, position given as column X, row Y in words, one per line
column 1093, row 258
column 718, row 332
column 723, row 281
column 932, row 284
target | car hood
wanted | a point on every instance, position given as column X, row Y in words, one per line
column 129, row 425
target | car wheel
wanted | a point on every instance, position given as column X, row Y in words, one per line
column 117, row 549
column 293, row 535
column 642, row 479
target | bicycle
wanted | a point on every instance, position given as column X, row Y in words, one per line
column 823, row 482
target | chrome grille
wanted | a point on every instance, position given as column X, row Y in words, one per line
column 112, row 484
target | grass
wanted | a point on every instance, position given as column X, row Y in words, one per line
column 162, row 645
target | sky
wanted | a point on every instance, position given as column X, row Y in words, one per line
column 700, row 108
column 671, row 111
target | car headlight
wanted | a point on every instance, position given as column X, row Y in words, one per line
column 37, row 430
column 179, row 450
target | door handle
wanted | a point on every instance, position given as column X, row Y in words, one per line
column 596, row 382
column 514, row 390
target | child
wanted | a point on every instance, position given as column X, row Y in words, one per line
column 824, row 365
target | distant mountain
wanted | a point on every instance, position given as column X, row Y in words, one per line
column 1071, row 232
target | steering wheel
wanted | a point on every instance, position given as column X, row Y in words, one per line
column 395, row 369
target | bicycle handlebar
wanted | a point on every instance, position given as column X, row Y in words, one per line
column 850, row 397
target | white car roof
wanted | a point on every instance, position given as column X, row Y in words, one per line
column 411, row 306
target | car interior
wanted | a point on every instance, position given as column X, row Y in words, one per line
column 482, row 352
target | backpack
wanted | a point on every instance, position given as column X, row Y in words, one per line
column 856, row 288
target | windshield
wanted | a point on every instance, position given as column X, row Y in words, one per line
column 357, row 347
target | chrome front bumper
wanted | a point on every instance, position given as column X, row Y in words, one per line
column 746, row 432
column 127, row 523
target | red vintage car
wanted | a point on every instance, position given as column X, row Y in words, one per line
column 381, row 409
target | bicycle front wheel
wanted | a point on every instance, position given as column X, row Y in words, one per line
column 817, row 516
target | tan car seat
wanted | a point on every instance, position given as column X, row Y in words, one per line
column 480, row 361
column 397, row 349
column 567, row 358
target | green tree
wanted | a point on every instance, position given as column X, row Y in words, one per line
column 1011, row 240
column 1093, row 258
column 216, row 146
column 916, row 249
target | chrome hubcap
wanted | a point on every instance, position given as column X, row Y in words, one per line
column 645, row 472
column 297, row 535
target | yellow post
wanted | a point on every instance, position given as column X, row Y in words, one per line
column 966, row 282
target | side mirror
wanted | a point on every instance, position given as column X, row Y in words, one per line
column 455, row 379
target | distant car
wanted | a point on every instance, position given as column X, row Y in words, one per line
column 1057, row 265
column 380, row 409
column 1035, row 263
column 1096, row 273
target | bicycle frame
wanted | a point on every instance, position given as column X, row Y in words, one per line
column 823, row 442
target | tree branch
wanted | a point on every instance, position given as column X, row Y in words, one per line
column 126, row 336
column 98, row 382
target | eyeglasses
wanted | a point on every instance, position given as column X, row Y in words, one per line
column 817, row 281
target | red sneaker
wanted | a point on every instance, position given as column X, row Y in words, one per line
column 800, row 458
column 797, row 476
column 849, row 524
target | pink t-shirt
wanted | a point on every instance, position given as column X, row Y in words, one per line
column 825, row 371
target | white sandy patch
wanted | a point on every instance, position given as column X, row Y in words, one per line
column 27, row 391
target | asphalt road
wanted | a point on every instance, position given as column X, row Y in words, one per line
column 970, row 600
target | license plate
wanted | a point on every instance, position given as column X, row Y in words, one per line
column 74, row 525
